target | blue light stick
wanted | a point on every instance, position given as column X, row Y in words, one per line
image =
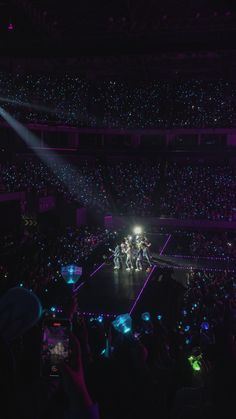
column 123, row 323
column 71, row 274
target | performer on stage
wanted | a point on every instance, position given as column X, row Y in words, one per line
column 139, row 258
column 123, row 246
column 123, row 253
column 135, row 253
column 117, row 256
column 129, row 255
column 145, row 244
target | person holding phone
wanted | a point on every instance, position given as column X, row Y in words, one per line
column 81, row 405
column 55, row 345
column 20, row 311
column 61, row 358
column 145, row 245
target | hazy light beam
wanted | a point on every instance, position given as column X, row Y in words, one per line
column 51, row 159
column 27, row 105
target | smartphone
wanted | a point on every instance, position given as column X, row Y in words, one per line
column 55, row 346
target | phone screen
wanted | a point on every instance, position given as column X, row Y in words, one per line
column 55, row 345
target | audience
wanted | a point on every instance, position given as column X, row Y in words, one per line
column 204, row 244
column 154, row 370
column 39, row 257
column 116, row 104
column 135, row 186
column 83, row 184
column 163, row 369
column 167, row 189
column 199, row 191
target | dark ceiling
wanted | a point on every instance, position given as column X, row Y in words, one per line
column 120, row 38
column 75, row 27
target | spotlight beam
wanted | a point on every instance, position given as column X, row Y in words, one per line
column 27, row 105
column 51, row 159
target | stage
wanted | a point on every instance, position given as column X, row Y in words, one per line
column 114, row 292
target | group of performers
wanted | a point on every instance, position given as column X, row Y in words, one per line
column 132, row 253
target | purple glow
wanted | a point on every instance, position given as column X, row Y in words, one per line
column 142, row 289
column 167, row 241
column 10, row 27
column 97, row 269
column 81, row 216
column 12, row 196
column 191, row 268
column 46, row 203
column 201, row 257
column 79, row 286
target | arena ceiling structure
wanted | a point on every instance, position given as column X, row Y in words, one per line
column 125, row 37
column 130, row 25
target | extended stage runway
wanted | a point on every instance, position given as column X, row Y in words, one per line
column 115, row 292
column 112, row 292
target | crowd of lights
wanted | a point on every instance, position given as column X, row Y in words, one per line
column 135, row 187
column 72, row 246
column 115, row 104
column 198, row 315
column 206, row 246
column 199, row 191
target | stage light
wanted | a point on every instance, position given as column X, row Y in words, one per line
column 53, row 309
column 137, row 230
column 100, row 319
column 186, row 328
column 146, row 316
column 123, row 323
column 10, row 27
column 159, row 317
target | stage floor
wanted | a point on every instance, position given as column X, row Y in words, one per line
column 110, row 291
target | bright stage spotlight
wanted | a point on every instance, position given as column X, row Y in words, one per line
column 138, row 230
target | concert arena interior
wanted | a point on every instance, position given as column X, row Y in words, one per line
column 117, row 209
